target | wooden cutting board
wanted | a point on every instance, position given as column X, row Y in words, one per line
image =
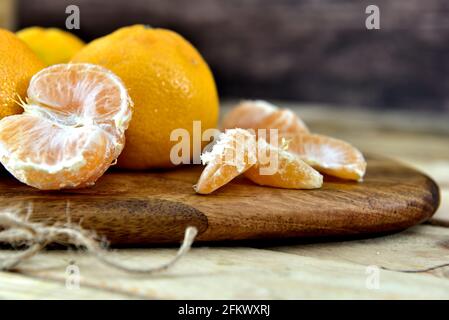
column 152, row 207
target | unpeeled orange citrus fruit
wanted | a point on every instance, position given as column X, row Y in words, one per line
column 169, row 82
column 52, row 45
column 72, row 130
column 17, row 65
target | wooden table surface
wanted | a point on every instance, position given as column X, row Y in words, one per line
column 296, row 269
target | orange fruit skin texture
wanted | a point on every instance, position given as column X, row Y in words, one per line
column 17, row 65
column 169, row 82
column 51, row 45
column 291, row 172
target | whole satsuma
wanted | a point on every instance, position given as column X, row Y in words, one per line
column 51, row 45
column 17, row 65
column 169, row 82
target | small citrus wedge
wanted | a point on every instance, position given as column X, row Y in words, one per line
column 282, row 169
column 72, row 129
column 329, row 155
column 233, row 154
column 260, row 114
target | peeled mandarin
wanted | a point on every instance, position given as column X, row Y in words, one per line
column 72, row 129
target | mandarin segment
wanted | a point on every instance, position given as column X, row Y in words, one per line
column 72, row 129
column 285, row 121
column 329, row 155
column 247, row 114
column 238, row 152
column 233, row 154
column 282, row 169
column 263, row 115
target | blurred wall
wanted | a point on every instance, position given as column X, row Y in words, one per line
column 7, row 14
column 306, row 50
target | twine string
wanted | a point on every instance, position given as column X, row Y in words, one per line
column 36, row 236
column 19, row 231
column 423, row 270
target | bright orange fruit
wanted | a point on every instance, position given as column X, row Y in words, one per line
column 282, row 169
column 329, row 155
column 52, row 45
column 17, row 65
column 263, row 115
column 72, row 130
column 233, row 154
column 170, row 83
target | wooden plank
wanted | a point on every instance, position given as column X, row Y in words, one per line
column 145, row 207
column 237, row 273
column 439, row 171
column 441, row 217
column 17, row 286
column 358, row 120
column 416, row 248
column 436, row 169
column 295, row 270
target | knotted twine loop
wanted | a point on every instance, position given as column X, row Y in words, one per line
column 18, row 231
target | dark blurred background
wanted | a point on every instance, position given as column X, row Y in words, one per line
column 302, row 50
